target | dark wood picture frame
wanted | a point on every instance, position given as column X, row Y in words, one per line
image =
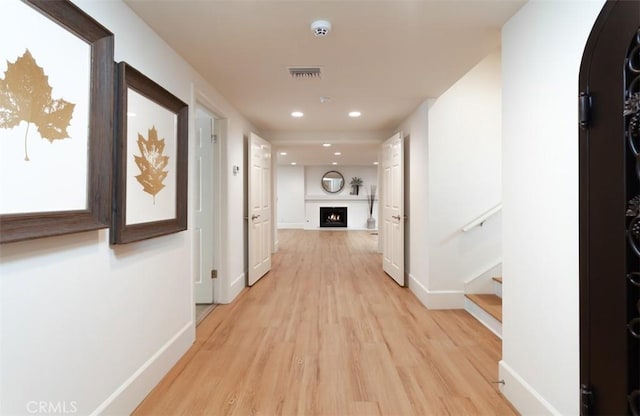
column 26, row 226
column 121, row 233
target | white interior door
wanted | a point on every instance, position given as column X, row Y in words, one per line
column 203, row 228
column 259, row 200
column 393, row 208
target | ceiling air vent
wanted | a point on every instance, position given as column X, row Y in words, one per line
column 304, row 72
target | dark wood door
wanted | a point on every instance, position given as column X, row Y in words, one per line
column 610, row 212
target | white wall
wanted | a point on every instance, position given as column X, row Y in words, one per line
column 290, row 183
column 416, row 133
column 357, row 205
column 542, row 48
column 97, row 325
column 455, row 176
column 300, row 195
column 465, row 178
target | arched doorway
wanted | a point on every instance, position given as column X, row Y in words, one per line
column 610, row 213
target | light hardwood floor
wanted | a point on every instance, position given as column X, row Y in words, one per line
column 326, row 332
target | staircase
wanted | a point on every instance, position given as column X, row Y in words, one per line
column 487, row 308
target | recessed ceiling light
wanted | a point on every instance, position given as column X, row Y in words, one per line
column 355, row 114
column 337, row 153
column 375, row 163
column 293, row 163
column 326, row 144
column 283, row 153
column 297, row 114
column 334, row 163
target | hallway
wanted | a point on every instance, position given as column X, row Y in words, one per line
column 327, row 332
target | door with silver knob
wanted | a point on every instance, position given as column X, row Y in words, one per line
column 393, row 208
column 259, row 200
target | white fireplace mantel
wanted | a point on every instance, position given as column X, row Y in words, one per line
column 337, row 198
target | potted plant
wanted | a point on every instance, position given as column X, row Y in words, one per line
column 356, row 183
column 371, row 197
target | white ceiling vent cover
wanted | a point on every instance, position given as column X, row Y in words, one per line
column 304, row 72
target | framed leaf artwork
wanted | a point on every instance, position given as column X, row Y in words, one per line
column 151, row 159
column 56, row 120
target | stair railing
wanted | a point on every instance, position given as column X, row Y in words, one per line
column 479, row 221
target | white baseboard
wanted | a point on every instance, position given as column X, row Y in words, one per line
column 340, row 229
column 236, row 287
column 485, row 319
column 290, row 226
column 522, row 396
column 436, row 299
column 132, row 392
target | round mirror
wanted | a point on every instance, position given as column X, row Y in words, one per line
column 332, row 182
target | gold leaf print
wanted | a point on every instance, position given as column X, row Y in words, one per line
column 151, row 163
column 25, row 95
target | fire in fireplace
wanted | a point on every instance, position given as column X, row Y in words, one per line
column 333, row 216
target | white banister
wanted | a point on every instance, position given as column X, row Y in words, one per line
column 482, row 218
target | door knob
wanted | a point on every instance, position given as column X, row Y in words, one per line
column 255, row 217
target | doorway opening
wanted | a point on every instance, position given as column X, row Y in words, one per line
column 206, row 209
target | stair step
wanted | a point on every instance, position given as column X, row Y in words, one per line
column 491, row 304
column 497, row 286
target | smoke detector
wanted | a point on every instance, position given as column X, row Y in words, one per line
column 321, row 28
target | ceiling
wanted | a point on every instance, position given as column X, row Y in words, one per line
column 315, row 154
column 382, row 58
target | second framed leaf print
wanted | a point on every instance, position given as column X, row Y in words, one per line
column 151, row 159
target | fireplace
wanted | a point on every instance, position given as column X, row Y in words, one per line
column 333, row 216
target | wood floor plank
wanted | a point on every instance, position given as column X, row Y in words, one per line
column 326, row 332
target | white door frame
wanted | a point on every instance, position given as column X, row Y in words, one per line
column 199, row 99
